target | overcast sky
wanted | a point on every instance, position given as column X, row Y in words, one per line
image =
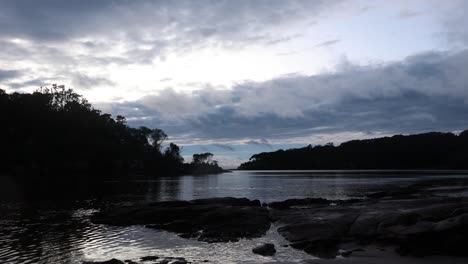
column 240, row 77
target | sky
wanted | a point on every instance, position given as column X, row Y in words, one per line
column 240, row 77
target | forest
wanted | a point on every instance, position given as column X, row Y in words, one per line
column 54, row 135
column 434, row 150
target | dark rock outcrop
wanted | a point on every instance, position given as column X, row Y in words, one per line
column 266, row 249
column 414, row 220
column 111, row 261
column 209, row 220
column 149, row 258
column 416, row 224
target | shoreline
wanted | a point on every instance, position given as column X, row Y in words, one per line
column 413, row 224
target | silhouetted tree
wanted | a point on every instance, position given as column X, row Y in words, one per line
column 424, row 151
column 202, row 158
column 54, row 137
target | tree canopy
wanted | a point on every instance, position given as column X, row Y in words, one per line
column 55, row 131
column 424, row 151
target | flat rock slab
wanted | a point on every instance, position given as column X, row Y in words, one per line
column 210, row 220
column 414, row 220
column 416, row 225
column 148, row 259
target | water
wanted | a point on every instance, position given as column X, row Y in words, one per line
column 61, row 232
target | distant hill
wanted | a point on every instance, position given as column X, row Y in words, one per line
column 422, row 151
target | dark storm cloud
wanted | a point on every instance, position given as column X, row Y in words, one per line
column 8, row 74
column 424, row 92
column 34, row 82
column 58, row 20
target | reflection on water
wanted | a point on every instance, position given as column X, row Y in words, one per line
column 61, row 232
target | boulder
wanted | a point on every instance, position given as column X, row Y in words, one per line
column 267, row 249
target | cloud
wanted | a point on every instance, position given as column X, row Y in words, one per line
column 8, row 74
column 152, row 21
column 424, row 92
column 406, row 14
column 56, row 39
column 327, row 43
column 84, row 81
column 36, row 83
column 452, row 15
column 224, row 147
column 262, row 142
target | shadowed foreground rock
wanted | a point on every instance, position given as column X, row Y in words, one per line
column 418, row 220
column 111, row 261
column 267, row 249
column 148, row 259
column 414, row 220
column 209, row 220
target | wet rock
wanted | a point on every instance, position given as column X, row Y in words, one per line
column 457, row 223
column 149, row 258
column 347, row 253
column 210, row 220
column 459, row 211
column 298, row 202
column 111, row 261
column 413, row 223
column 366, row 224
column 267, row 249
column 377, row 195
column 179, row 261
column 322, row 248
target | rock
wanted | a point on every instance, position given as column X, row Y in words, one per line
column 457, row 223
column 173, row 260
column 298, row 202
column 210, row 220
column 111, row 261
column 396, row 218
column 377, row 195
column 322, row 248
column 459, row 211
column 267, row 249
column 413, row 223
column 347, row 253
column 365, row 226
column 179, row 261
column 149, row 258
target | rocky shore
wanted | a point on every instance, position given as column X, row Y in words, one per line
column 419, row 220
column 209, row 220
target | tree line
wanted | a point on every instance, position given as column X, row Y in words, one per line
column 55, row 135
column 433, row 150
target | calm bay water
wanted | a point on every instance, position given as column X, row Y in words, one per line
column 61, row 232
